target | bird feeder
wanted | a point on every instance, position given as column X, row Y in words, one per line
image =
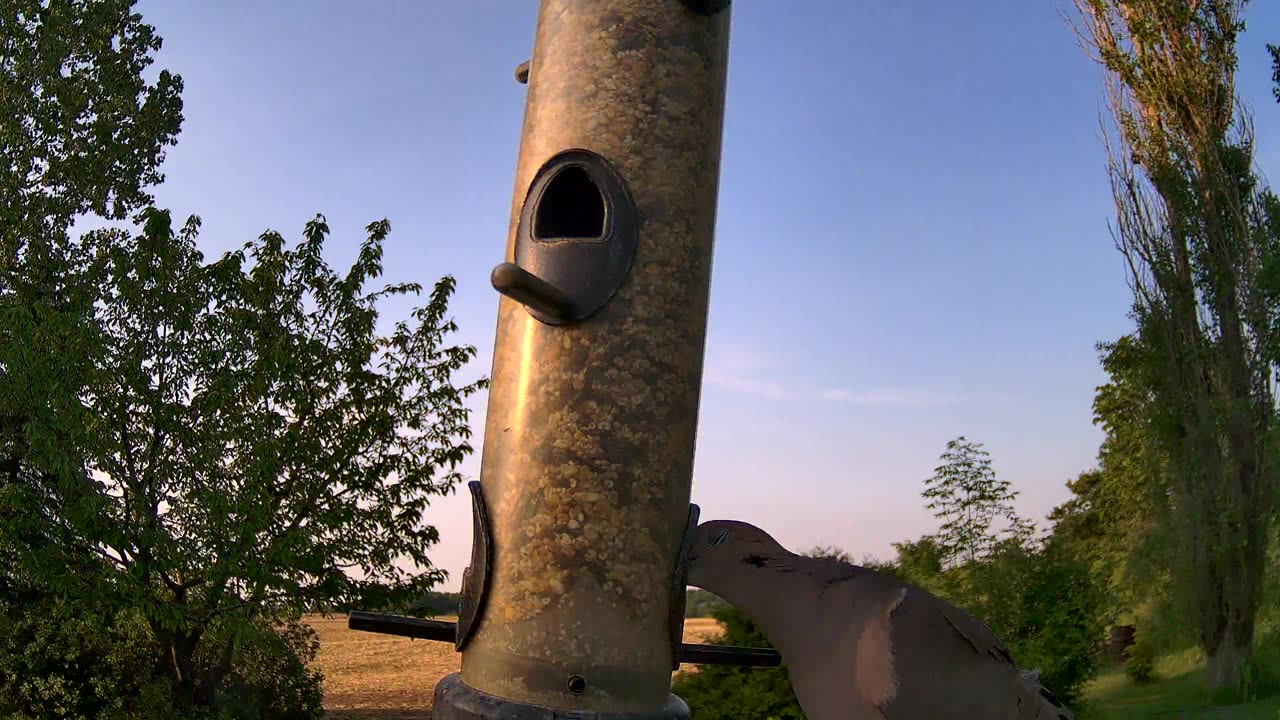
column 574, row 599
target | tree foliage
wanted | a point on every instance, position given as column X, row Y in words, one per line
column 81, row 129
column 724, row 692
column 213, row 442
column 77, row 659
column 1041, row 600
column 967, row 497
column 701, row 603
column 1045, row 604
column 69, row 658
column 201, row 449
column 1201, row 235
column 1274, row 51
column 1113, row 519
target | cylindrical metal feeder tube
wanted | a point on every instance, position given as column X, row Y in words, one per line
column 593, row 403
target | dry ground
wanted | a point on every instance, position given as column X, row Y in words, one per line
column 382, row 677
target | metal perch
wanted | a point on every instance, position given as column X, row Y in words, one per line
column 442, row 631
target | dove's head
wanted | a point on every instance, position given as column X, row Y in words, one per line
column 724, row 551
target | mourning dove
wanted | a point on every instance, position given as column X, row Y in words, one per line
column 860, row 645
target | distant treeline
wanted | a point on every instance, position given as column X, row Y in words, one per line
column 439, row 603
column 698, row 604
column 433, row 603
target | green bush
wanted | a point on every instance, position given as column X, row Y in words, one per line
column 718, row 692
column 273, row 675
column 73, row 661
column 70, row 660
column 1140, row 662
column 1048, row 607
column 1260, row 676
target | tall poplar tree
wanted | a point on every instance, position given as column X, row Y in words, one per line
column 1200, row 232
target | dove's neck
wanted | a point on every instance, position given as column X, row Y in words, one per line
column 776, row 598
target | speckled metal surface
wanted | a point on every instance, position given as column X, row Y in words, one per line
column 589, row 437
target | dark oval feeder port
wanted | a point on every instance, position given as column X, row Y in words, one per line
column 570, row 208
column 575, row 240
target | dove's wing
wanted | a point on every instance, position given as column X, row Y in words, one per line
column 951, row 664
column 843, row 668
column 880, row 649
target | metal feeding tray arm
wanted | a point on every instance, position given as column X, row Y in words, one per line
column 442, row 631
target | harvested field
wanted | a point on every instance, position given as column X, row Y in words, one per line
column 381, row 677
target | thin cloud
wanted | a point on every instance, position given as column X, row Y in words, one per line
column 901, row 397
column 747, row 386
column 882, row 397
column 739, row 368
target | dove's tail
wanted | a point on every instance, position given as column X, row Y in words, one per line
column 1051, row 708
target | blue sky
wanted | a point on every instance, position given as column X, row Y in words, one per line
column 912, row 240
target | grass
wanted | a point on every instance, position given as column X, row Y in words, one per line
column 382, row 677
column 1178, row 693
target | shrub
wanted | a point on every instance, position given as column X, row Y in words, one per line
column 1260, row 676
column 1051, row 616
column 435, row 603
column 1139, row 664
column 65, row 659
column 272, row 674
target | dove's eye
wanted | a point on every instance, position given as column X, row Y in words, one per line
column 720, row 538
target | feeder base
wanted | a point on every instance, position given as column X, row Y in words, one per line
column 455, row 700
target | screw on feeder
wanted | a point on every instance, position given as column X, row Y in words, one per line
column 522, row 73
column 577, row 684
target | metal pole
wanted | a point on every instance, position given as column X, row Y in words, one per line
column 573, row 601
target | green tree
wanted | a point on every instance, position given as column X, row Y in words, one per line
column 1044, row 603
column 1114, row 518
column 700, row 603
column 921, row 563
column 217, row 443
column 1274, row 50
column 723, row 692
column 81, row 129
column 965, row 494
column 1200, row 233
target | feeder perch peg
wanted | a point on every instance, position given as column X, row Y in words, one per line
column 531, row 291
column 575, row 240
